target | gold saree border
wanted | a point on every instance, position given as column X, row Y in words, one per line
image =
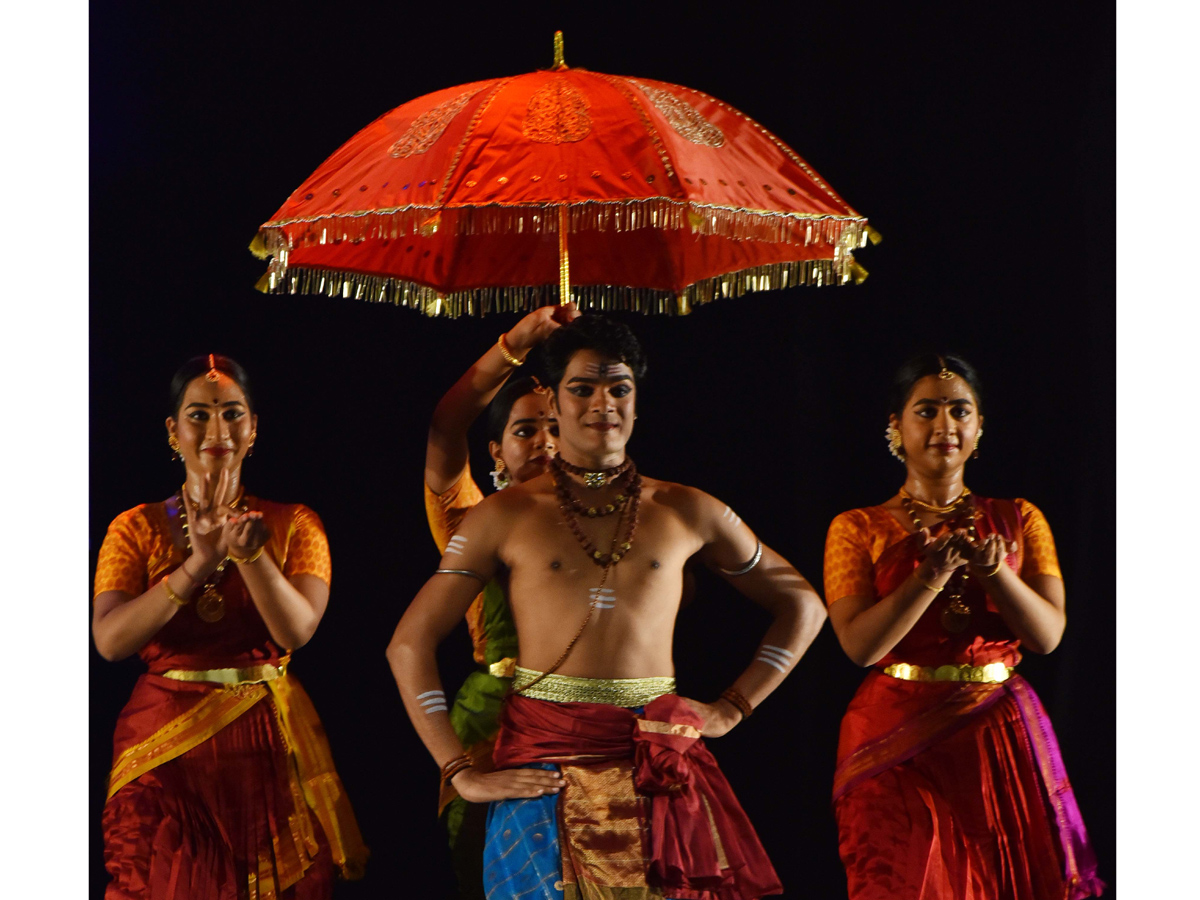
column 181, row 734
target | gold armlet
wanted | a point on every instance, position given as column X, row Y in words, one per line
column 507, row 354
column 172, row 596
column 241, row 561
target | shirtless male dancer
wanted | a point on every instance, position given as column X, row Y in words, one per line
column 603, row 785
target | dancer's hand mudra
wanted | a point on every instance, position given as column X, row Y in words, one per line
column 207, row 520
column 245, row 534
column 947, row 552
column 505, row 784
column 986, row 554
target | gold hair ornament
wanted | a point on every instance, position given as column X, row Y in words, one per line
column 212, row 375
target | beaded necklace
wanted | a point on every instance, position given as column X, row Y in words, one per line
column 627, row 506
column 210, row 607
column 956, row 614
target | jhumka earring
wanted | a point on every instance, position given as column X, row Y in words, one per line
column 895, row 442
column 173, row 442
column 975, row 452
column 250, row 449
column 500, row 477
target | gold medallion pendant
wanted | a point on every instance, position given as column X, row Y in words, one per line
column 211, row 605
column 956, row 616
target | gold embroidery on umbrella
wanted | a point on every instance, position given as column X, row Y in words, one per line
column 426, row 128
column 557, row 114
column 683, row 117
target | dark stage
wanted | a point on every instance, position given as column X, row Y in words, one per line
column 980, row 143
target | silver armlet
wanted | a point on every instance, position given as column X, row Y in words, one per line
column 460, row 572
column 748, row 566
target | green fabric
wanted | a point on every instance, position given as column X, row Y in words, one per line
column 475, row 715
column 499, row 629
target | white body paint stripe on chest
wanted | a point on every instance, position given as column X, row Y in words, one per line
column 602, row 598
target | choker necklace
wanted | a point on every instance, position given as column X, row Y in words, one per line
column 956, row 614
column 592, row 478
column 210, row 606
column 959, row 503
column 562, row 488
column 627, row 504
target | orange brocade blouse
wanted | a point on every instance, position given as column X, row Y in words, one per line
column 140, row 550
column 445, row 512
column 868, row 553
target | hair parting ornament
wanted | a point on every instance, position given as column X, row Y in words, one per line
column 213, row 375
column 944, row 374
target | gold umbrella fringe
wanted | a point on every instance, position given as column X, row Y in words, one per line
column 846, row 231
column 592, row 298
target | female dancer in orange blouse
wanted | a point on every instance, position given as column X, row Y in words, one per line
column 222, row 783
column 949, row 783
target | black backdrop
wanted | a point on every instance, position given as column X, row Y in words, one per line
column 981, row 143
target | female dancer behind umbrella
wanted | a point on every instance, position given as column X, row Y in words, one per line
column 521, row 436
column 949, row 782
column 222, row 783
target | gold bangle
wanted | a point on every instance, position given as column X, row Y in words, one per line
column 172, row 596
column 925, row 584
column 508, row 357
column 241, row 561
column 993, row 571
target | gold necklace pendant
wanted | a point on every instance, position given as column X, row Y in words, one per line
column 595, row 480
column 211, row 605
column 956, row 616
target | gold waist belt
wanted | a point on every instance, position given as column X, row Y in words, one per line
column 625, row 692
column 249, row 675
column 992, row 673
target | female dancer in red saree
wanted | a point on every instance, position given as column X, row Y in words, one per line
column 949, row 783
column 222, row 783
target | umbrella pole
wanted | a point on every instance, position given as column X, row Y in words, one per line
column 564, row 261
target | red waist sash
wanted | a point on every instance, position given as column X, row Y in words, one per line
column 700, row 838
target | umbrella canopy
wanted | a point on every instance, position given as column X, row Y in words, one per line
column 617, row 192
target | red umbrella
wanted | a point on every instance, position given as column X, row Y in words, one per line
column 622, row 193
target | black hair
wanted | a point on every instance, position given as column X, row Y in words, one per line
column 197, row 366
column 608, row 337
column 501, row 406
column 925, row 364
